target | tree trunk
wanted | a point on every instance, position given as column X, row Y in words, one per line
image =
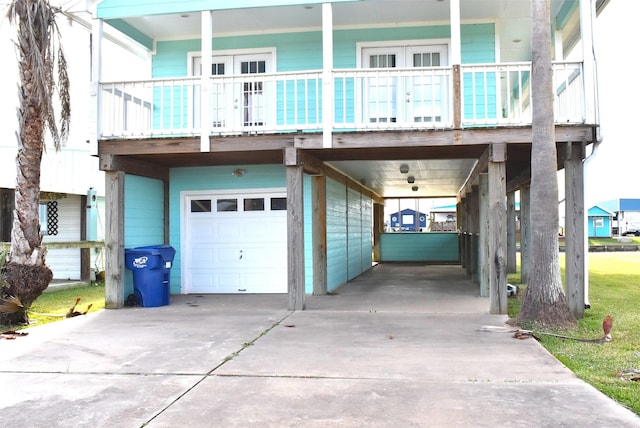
column 544, row 301
column 26, row 272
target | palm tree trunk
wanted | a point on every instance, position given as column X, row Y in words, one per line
column 26, row 273
column 544, row 300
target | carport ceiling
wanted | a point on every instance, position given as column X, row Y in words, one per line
column 433, row 177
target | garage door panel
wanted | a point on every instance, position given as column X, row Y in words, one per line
column 228, row 282
column 202, row 229
column 227, row 230
column 235, row 251
column 266, row 282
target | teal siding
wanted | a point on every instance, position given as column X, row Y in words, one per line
column 367, row 233
column 143, row 216
column 419, row 247
column 349, row 244
column 213, row 178
column 336, row 234
column 354, row 237
column 478, row 46
column 303, row 52
column 308, row 236
column 344, row 41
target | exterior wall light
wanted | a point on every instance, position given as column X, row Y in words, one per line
column 404, row 168
column 414, row 188
column 411, row 179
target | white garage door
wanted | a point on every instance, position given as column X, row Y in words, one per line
column 235, row 242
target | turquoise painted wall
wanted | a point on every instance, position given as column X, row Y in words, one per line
column 143, row 216
column 303, row 51
column 603, row 231
column 419, row 247
column 354, row 234
column 348, row 234
column 308, row 236
column 336, row 234
column 367, row 233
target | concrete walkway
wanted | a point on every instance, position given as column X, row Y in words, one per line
column 397, row 347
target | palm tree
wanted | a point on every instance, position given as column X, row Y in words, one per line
column 544, row 300
column 40, row 55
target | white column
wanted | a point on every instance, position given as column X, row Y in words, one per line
column 587, row 15
column 327, row 75
column 205, row 80
column 94, row 90
column 456, row 44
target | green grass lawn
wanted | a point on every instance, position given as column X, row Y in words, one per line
column 58, row 302
column 614, row 288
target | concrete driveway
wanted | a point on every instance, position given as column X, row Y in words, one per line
column 399, row 346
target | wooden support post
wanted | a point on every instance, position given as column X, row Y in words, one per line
column 85, row 253
column 463, row 232
column 575, row 258
column 483, row 246
column 497, row 230
column 475, row 226
column 295, row 230
column 166, row 211
column 378, row 229
column 319, row 234
column 114, row 240
column 511, row 232
column 525, row 233
column 468, row 246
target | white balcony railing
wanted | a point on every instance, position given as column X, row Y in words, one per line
column 363, row 99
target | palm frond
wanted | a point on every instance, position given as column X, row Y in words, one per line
column 12, row 305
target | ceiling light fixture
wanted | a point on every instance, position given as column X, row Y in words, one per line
column 404, row 168
column 411, row 179
column 414, row 188
column 238, row 172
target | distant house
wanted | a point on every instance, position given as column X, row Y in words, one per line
column 442, row 218
column 408, row 220
column 599, row 222
column 626, row 215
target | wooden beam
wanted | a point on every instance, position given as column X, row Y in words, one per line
column 497, row 231
column 134, row 167
column 114, row 240
column 378, row 229
column 480, row 168
column 295, row 237
column 483, row 253
column 85, row 253
column 576, row 245
column 319, row 233
column 525, row 233
column 511, row 232
column 457, row 97
column 351, row 183
column 439, row 137
column 181, row 145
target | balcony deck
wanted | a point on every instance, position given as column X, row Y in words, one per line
column 400, row 99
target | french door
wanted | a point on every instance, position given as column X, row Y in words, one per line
column 391, row 96
column 240, row 98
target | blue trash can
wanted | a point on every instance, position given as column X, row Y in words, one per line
column 151, row 267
